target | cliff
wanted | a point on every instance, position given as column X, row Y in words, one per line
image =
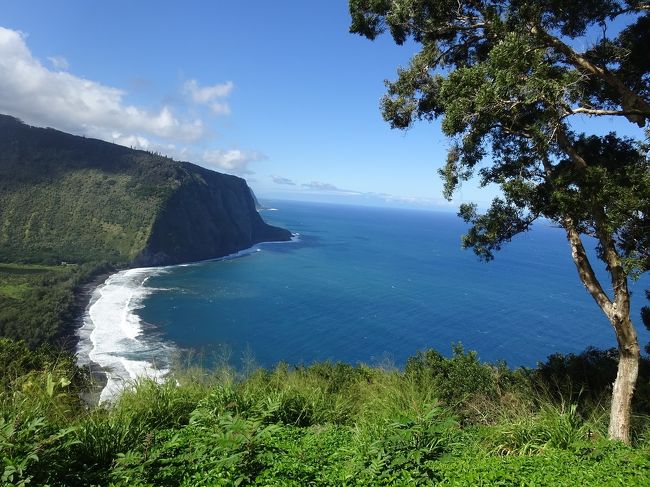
column 209, row 215
column 74, row 199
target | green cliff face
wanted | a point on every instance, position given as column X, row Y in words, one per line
column 68, row 198
column 209, row 215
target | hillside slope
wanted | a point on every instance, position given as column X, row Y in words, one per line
column 73, row 199
column 94, row 207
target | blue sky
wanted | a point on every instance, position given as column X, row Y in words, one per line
column 276, row 92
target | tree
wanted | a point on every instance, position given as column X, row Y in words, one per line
column 508, row 79
column 645, row 317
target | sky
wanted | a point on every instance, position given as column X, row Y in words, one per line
column 279, row 93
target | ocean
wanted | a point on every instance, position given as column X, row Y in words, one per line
column 358, row 285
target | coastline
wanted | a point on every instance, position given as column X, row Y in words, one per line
column 83, row 297
column 84, row 301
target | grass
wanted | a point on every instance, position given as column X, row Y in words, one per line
column 16, row 280
column 14, row 291
column 326, row 424
column 14, row 268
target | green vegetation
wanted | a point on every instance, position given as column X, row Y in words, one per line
column 67, row 198
column 510, row 81
column 442, row 421
column 70, row 199
column 37, row 301
column 69, row 208
column 72, row 207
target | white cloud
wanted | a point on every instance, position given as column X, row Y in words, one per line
column 220, row 108
column 321, row 186
column 233, row 161
column 59, row 63
column 413, row 200
column 135, row 141
column 205, row 94
column 40, row 96
column 210, row 95
column 281, row 180
column 51, row 96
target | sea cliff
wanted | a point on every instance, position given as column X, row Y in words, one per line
column 209, row 215
column 75, row 199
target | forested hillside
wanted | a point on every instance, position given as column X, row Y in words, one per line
column 70, row 206
column 68, row 198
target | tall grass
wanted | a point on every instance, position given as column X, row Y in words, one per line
column 324, row 424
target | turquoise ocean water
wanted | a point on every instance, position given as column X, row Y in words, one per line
column 359, row 285
column 376, row 284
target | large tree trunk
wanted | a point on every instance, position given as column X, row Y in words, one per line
column 628, row 371
column 618, row 314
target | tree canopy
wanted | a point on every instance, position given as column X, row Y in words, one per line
column 509, row 79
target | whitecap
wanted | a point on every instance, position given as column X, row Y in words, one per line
column 112, row 333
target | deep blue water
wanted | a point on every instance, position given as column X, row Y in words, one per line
column 374, row 284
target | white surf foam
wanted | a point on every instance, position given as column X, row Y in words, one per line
column 111, row 335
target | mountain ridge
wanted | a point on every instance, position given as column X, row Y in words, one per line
column 75, row 199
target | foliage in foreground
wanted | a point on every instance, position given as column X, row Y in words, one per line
column 446, row 421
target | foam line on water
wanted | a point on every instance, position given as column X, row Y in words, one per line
column 295, row 237
column 112, row 332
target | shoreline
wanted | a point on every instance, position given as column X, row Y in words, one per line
column 83, row 297
column 83, row 301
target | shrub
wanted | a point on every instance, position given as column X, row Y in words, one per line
column 472, row 389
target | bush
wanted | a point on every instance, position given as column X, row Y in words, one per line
column 588, row 375
column 448, row 421
column 602, row 464
column 405, row 445
column 472, row 389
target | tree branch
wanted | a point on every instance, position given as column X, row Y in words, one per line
column 566, row 145
column 454, row 29
column 610, row 254
column 639, row 7
column 613, row 259
column 586, row 272
column 595, row 111
column 638, row 107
